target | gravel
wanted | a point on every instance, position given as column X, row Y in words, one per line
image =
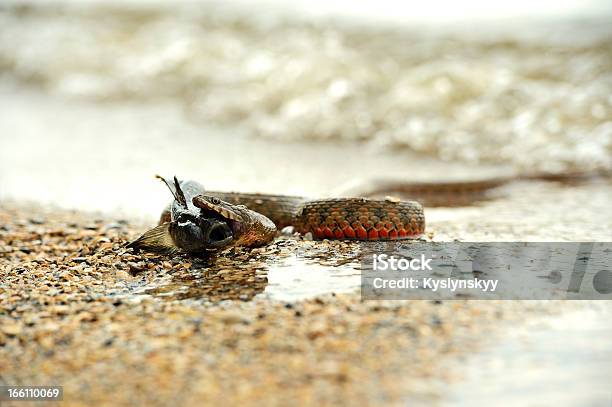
column 79, row 310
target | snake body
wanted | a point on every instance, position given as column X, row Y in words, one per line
column 200, row 220
column 338, row 218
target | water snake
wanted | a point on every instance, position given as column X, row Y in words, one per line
column 200, row 220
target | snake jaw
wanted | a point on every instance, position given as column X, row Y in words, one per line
column 217, row 206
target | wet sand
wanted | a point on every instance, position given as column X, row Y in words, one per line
column 74, row 313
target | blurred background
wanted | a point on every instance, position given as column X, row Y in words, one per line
column 306, row 97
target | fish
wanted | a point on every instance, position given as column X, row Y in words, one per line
column 184, row 227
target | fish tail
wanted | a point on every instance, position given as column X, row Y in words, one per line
column 156, row 240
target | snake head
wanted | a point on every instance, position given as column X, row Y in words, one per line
column 249, row 228
column 237, row 217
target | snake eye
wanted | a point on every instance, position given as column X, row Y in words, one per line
column 215, row 201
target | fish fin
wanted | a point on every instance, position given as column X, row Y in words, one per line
column 156, row 240
column 168, row 184
column 180, row 195
column 175, row 189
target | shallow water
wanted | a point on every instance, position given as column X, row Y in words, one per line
column 534, row 95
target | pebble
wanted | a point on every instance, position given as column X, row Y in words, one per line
column 11, row 328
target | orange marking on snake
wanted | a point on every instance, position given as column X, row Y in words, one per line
column 327, row 232
column 361, row 233
column 349, row 232
column 318, row 232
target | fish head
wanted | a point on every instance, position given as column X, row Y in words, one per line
column 194, row 232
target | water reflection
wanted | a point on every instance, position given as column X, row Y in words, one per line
column 296, row 279
column 286, row 270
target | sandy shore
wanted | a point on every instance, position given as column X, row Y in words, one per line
column 74, row 313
